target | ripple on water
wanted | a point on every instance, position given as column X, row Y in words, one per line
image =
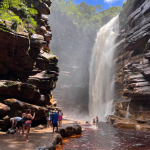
column 106, row 137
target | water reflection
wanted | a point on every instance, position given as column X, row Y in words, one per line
column 109, row 138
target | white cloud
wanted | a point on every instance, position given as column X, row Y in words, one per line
column 111, row 1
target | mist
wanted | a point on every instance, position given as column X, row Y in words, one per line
column 74, row 51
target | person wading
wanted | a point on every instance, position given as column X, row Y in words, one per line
column 28, row 122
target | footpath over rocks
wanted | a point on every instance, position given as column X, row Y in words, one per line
column 41, row 138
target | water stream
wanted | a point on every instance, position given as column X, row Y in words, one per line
column 127, row 115
column 101, row 85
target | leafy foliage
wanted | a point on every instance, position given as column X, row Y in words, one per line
column 86, row 17
column 18, row 12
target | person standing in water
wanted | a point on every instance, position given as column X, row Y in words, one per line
column 28, row 122
column 96, row 119
column 60, row 114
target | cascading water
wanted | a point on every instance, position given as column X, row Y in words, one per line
column 101, row 86
column 127, row 114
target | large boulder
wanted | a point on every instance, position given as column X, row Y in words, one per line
column 124, row 125
column 3, row 109
column 23, row 91
column 70, row 130
column 15, row 104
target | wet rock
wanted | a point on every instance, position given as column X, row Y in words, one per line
column 62, row 132
column 70, row 130
column 124, row 125
column 78, row 129
column 122, row 113
column 58, row 139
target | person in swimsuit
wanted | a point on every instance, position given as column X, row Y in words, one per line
column 28, row 122
column 23, row 120
column 96, row 119
column 94, row 122
column 60, row 114
column 48, row 118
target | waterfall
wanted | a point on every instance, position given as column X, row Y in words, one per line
column 101, row 86
column 127, row 114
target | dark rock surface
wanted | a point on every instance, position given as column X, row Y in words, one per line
column 132, row 62
column 28, row 73
column 70, row 130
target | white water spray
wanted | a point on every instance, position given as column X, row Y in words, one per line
column 127, row 114
column 101, row 86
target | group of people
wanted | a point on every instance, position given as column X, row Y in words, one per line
column 95, row 120
column 22, row 123
column 54, row 118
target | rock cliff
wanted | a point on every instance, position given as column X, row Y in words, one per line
column 28, row 72
column 133, row 61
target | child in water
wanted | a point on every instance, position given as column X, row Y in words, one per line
column 94, row 121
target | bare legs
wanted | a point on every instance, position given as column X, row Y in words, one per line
column 56, row 128
column 27, row 134
column 48, row 123
column 23, row 128
column 59, row 122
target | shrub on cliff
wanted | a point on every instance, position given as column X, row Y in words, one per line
column 19, row 13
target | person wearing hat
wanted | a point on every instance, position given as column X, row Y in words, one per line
column 16, row 123
column 55, row 120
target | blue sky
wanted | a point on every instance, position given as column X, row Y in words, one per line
column 104, row 3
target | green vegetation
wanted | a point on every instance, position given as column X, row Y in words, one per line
column 84, row 16
column 19, row 13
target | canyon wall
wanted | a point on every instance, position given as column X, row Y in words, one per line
column 133, row 61
column 28, row 72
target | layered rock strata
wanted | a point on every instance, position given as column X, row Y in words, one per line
column 28, row 72
column 133, row 61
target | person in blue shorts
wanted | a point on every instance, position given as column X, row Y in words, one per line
column 55, row 121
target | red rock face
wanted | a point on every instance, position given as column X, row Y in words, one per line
column 132, row 59
column 28, row 73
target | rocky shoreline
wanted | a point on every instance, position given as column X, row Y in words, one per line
column 132, row 67
column 41, row 137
